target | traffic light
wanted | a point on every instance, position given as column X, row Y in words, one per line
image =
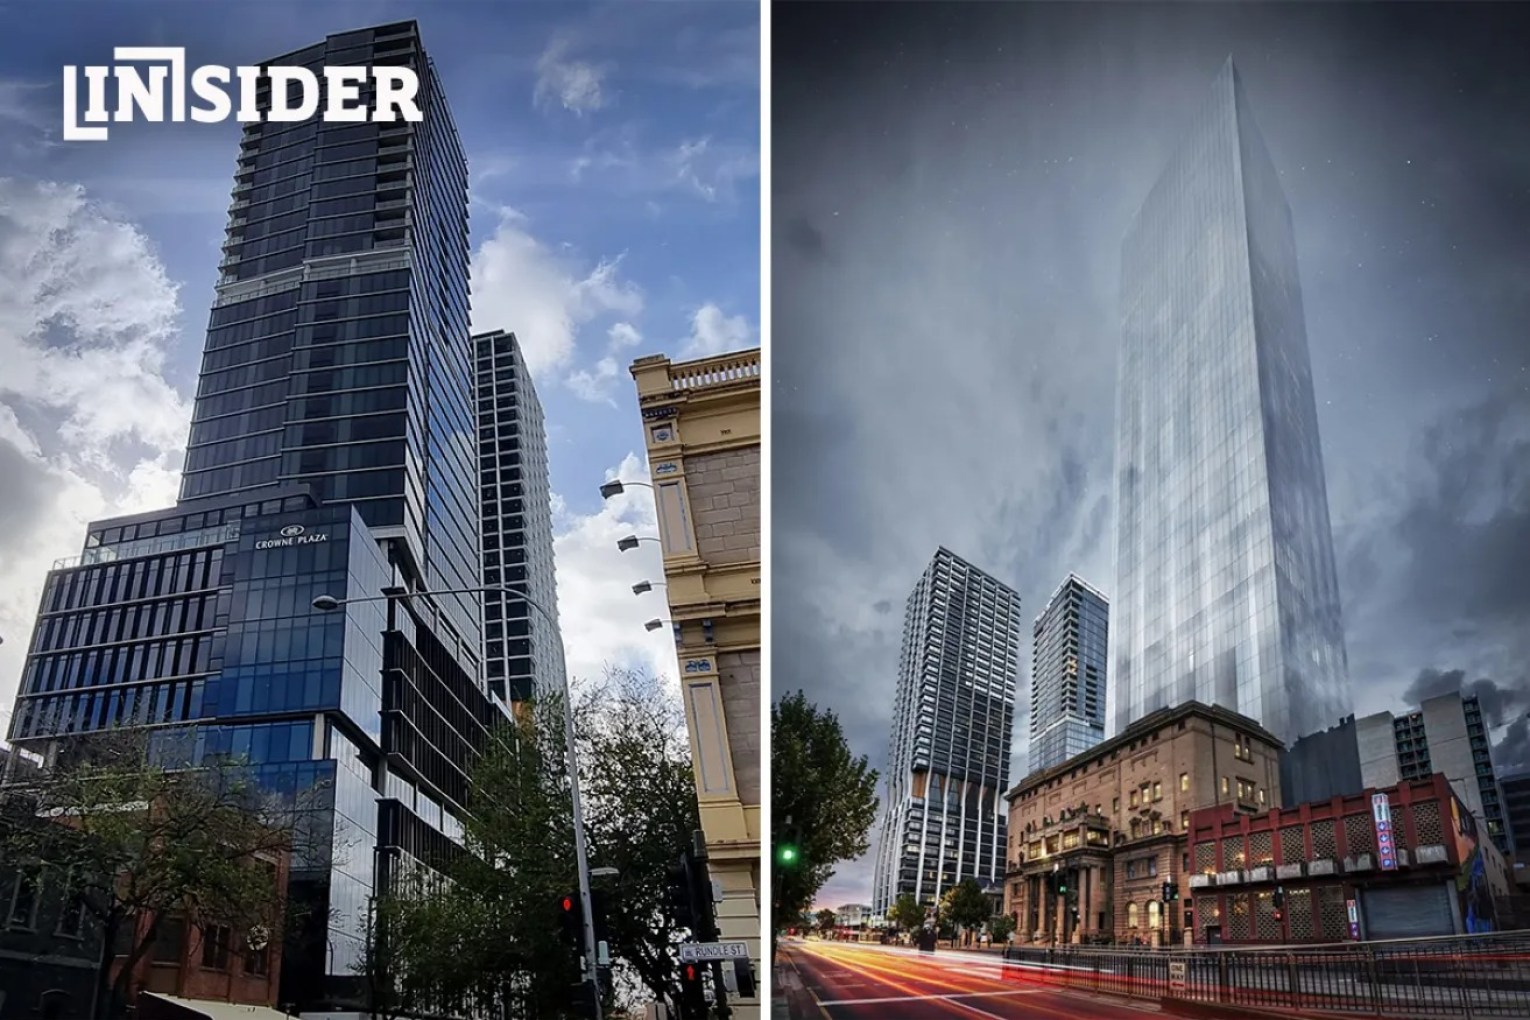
column 1168, row 891
column 1280, row 903
column 1062, row 883
column 680, row 894
column 581, row 997
column 693, row 1000
column 571, row 914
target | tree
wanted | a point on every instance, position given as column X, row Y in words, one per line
column 142, row 838
column 827, row 920
column 489, row 933
column 906, row 913
column 964, row 905
column 821, row 794
column 1001, row 927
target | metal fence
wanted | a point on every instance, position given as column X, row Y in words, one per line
column 1475, row 976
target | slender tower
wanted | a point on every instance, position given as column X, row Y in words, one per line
column 1068, row 656
column 948, row 758
column 521, row 649
column 1226, row 590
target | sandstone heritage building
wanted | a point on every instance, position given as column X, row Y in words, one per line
column 1093, row 841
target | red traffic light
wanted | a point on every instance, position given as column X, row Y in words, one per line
column 690, row 972
column 568, row 903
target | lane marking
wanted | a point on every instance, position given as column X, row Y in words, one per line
column 926, row 998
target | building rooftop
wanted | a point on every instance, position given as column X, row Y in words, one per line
column 1147, row 724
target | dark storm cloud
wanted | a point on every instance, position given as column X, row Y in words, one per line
column 948, row 375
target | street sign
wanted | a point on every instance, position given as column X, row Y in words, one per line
column 1354, row 919
column 1381, row 814
column 700, row 952
column 1176, row 975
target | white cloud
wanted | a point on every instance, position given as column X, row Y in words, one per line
column 88, row 426
column 574, row 85
column 624, row 334
column 712, row 332
column 595, row 384
column 542, row 295
column 598, row 383
column 602, row 620
column 711, row 171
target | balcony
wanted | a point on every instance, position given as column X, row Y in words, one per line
column 722, row 370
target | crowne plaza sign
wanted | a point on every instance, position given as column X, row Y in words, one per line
column 292, row 534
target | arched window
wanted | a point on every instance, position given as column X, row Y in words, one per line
column 1153, row 915
column 1131, row 915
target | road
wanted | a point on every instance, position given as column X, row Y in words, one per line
column 890, row 983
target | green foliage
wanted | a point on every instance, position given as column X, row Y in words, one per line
column 1001, row 927
column 964, row 905
column 450, row 946
column 136, row 841
column 906, row 913
column 822, row 798
column 826, row 920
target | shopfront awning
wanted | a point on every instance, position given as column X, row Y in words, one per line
column 157, row 1006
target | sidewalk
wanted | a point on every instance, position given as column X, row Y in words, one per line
column 790, row 1000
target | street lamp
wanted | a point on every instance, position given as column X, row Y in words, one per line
column 644, row 587
column 631, row 542
column 616, row 487
column 326, row 603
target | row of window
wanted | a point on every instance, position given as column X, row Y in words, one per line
column 103, row 626
column 109, row 707
column 229, row 479
column 98, row 586
column 28, row 890
column 119, row 664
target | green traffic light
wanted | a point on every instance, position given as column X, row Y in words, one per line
column 786, row 855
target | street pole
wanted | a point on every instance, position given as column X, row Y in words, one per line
column 581, row 851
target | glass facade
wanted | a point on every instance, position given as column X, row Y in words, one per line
column 338, row 352
column 1226, row 589
column 331, row 453
column 944, row 816
column 521, row 650
column 1068, row 659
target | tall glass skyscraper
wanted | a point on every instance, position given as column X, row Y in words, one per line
column 522, row 651
column 331, row 453
column 947, row 771
column 1226, row 591
column 1068, row 659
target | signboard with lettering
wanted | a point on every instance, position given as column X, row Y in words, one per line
column 700, row 952
column 1176, row 975
column 1386, row 846
column 292, row 534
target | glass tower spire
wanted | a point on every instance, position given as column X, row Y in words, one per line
column 1226, row 589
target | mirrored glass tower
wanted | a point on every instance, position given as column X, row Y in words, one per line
column 944, row 815
column 1226, row 590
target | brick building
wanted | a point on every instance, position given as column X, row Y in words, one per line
column 1317, row 872
column 701, row 422
column 1113, row 824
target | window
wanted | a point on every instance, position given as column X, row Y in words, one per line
column 1115, row 805
column 1261, row 795
column 71, row 922
column 1134, row 798
column 1158, row 791
column 1184, row 821
column 168, row 940
column 1131, row 915
column 1226, row 785
column 215, row 947
column 23, row 912
column 1184, row 782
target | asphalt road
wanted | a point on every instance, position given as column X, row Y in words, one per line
column 889, row 983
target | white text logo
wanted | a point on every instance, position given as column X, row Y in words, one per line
column 295, row 92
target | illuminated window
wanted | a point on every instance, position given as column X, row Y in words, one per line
column 1184, row 782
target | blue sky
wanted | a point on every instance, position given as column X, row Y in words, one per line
column 614, row 153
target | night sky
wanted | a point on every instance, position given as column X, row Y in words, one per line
column 952, row 184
